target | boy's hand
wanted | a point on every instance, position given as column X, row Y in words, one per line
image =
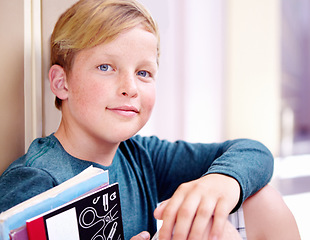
column 188, row 212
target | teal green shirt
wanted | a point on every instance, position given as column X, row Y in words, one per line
column 147, row 169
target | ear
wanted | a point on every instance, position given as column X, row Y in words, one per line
column 58, row 81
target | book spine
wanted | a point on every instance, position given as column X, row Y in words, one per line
column 36, row 229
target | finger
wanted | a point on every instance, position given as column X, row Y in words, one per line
column 202, row 220
column 219, row 220
column 168, row 217
column 158, row 213
column 169, row 214
column 185, row 216
column 141, row 236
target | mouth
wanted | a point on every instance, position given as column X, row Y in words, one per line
column 126, row 111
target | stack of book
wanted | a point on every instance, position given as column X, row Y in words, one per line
column 84, row 207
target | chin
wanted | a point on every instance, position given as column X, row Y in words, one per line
column 121, row 137
column 123, row 133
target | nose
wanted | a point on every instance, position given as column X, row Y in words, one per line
column 128, row 85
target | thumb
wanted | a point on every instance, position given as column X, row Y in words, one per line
column 141, row 236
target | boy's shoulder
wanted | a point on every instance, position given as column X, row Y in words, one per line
column 46, row 154
column 35, row 151
column 38, row 153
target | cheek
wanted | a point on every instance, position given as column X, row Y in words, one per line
column 149, row 98
column 87, row 95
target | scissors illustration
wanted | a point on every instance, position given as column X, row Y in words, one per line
column 93, row 219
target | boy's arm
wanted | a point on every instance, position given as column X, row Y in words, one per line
column 232, row 171
column 247, row 161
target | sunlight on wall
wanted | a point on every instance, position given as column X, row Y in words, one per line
column 221, row 71
column 253, row 71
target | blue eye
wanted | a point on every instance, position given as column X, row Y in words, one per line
column 105, row 67
column 143, row 74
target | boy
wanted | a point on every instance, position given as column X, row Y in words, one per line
column 104, row 60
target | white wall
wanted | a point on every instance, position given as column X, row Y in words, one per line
column 219, row 72
column 190, row 81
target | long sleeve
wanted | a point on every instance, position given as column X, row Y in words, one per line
column 248, row 161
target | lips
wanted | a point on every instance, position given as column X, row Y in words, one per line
column 127, row 111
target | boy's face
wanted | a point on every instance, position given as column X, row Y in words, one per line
column 111, row 87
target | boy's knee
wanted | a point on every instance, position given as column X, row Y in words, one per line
column 265, row 206
column 267, row 199
column 268, row 217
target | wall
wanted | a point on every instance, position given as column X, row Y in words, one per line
column 11, row 82
column 51, row 11
column 190, row 81
column 295, row 77
column 253, row 71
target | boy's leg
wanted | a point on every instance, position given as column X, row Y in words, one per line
column 267, row 217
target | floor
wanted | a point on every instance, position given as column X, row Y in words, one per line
column 292, row 179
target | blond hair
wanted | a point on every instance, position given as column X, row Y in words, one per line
column 92, row 22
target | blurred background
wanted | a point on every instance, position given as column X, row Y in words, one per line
column 228, row 69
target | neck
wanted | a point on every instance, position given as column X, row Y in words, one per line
column 84, row 147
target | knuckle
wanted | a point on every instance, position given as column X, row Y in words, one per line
column 184, row 212
column 168, row 213
column 204, row 210
column 183, row 187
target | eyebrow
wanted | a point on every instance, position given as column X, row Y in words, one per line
column 149, row 63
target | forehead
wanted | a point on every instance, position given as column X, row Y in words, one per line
column 135, row 42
